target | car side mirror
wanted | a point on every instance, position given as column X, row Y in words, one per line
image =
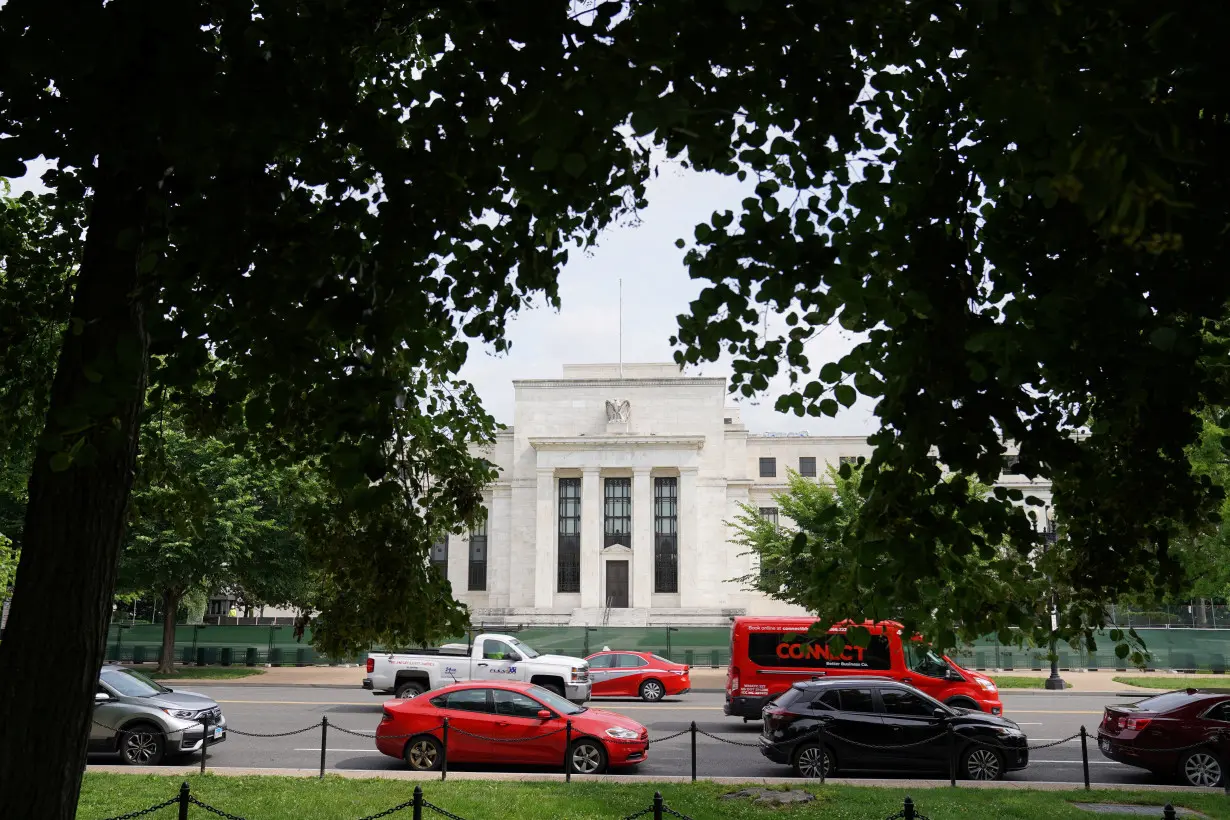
column 953, row 675
column 544, row 714
column 939, row 714
column 101, row 697
column 512, row 656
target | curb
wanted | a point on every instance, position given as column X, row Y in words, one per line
column 370, row 774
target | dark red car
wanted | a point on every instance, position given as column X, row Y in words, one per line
column 641, row 675
column 1184, row 733
column 480, row 714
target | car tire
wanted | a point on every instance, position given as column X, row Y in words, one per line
column 963, row 703
column 652, row 690
column 587, row 756
column 1201, row 767
column 142, row 744
column 981, row 763
column 409, row 689
column 553, row 687
column 424, row 754
column 808, row 759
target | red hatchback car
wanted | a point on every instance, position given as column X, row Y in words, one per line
column 1184, row 733
column 481, row 714
column 636, row 675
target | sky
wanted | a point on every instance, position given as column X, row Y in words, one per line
column 656, row 288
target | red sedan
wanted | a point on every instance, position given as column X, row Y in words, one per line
column 481, row 714
column 636, row 674
column 1180, row 733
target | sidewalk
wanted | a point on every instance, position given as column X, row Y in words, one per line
column 704, row 679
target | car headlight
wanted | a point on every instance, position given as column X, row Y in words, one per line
column 988, row 685
column 182, row 714
column 621, row 733
column 580, row 673
column 1008, row 731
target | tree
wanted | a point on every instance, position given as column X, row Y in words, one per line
column 8, row 565
column 205, row 517
column 329, row 205
column 819, row 560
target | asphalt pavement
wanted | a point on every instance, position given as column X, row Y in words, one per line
column 353, row 715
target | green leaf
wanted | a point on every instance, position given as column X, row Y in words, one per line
column 545, row 159
column 60, row 462
column 574, row 164
column 845, row 394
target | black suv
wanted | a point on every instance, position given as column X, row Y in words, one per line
column 880, row 725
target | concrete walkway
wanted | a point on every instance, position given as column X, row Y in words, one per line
column 703, row 679
column 402, row 774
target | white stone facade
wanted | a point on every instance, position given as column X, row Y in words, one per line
column 679, row 430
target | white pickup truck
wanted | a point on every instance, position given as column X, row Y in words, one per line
column 488, row 657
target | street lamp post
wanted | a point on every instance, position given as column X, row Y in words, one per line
column 669, row 630
column 1051, row 536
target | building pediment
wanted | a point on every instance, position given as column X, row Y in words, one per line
column 618, row 440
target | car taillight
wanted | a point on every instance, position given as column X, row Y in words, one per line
column 734, row 682
column 1138, row 724
column 371, row 665
column 386, row 717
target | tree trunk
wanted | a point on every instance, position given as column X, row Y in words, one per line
column 75, row 520
column 170, row 603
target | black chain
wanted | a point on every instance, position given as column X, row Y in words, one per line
column 441, row 811
column 274, row 734
column 503, row 739
column 1056, row 743
column 149, row 731
column 731, row 742
column 387, row 812
column 144, row 812
column 901, row 814
column 931, row 739
column 640, row 813
column 669, row 810
column 212, row 810
column 671, row 737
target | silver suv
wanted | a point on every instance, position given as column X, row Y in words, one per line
column 145, row 721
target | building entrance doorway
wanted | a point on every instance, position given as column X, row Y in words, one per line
column 617, row 584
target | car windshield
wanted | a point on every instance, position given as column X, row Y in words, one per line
column 554, row 701
column 1164, row 703
column 526, row 651
column 132, row 684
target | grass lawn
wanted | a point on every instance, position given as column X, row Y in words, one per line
column 274, row 798
column 1021, row 682
column 1174, row 681
column 201, row 672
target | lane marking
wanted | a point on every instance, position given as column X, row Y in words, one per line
column 351, row 751
column 303, row 702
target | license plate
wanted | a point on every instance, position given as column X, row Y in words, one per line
column 217, row 732
column 1104, row 745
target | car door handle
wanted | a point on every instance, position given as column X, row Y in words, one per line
column 482, row 664
column 501, row 723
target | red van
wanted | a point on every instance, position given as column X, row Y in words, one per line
column 767, row 655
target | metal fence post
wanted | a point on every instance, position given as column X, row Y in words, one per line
column 1168, row 812
column 184, row 802
column 418, row 803
column 204, row 741
column 657, row 806
column 693, row 751
column 1085, row 754
column 444, row 757
column 568, row 751
column 952, row 756
column 907, row 809
column 324, row 743
column 824, row 755
column 1225, row 761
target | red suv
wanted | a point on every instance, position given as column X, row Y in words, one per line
column 768, row 655
column 1185, row 733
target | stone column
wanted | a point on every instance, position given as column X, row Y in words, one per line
column 591, row 538
column 544, row 541
column 642, row 537
column 690, row 559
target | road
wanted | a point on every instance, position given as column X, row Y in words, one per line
column 1043, row 717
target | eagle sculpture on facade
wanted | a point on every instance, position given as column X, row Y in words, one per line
column 618, row 410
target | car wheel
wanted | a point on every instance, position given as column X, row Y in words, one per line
column 142, row 745
column 424, row 753
column 1201, row 768
column 652, row 690
column 963, row 703
column 553, row 687
column 587, row 757
column 981, row 763
column 411, row 689
column 810, row 761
